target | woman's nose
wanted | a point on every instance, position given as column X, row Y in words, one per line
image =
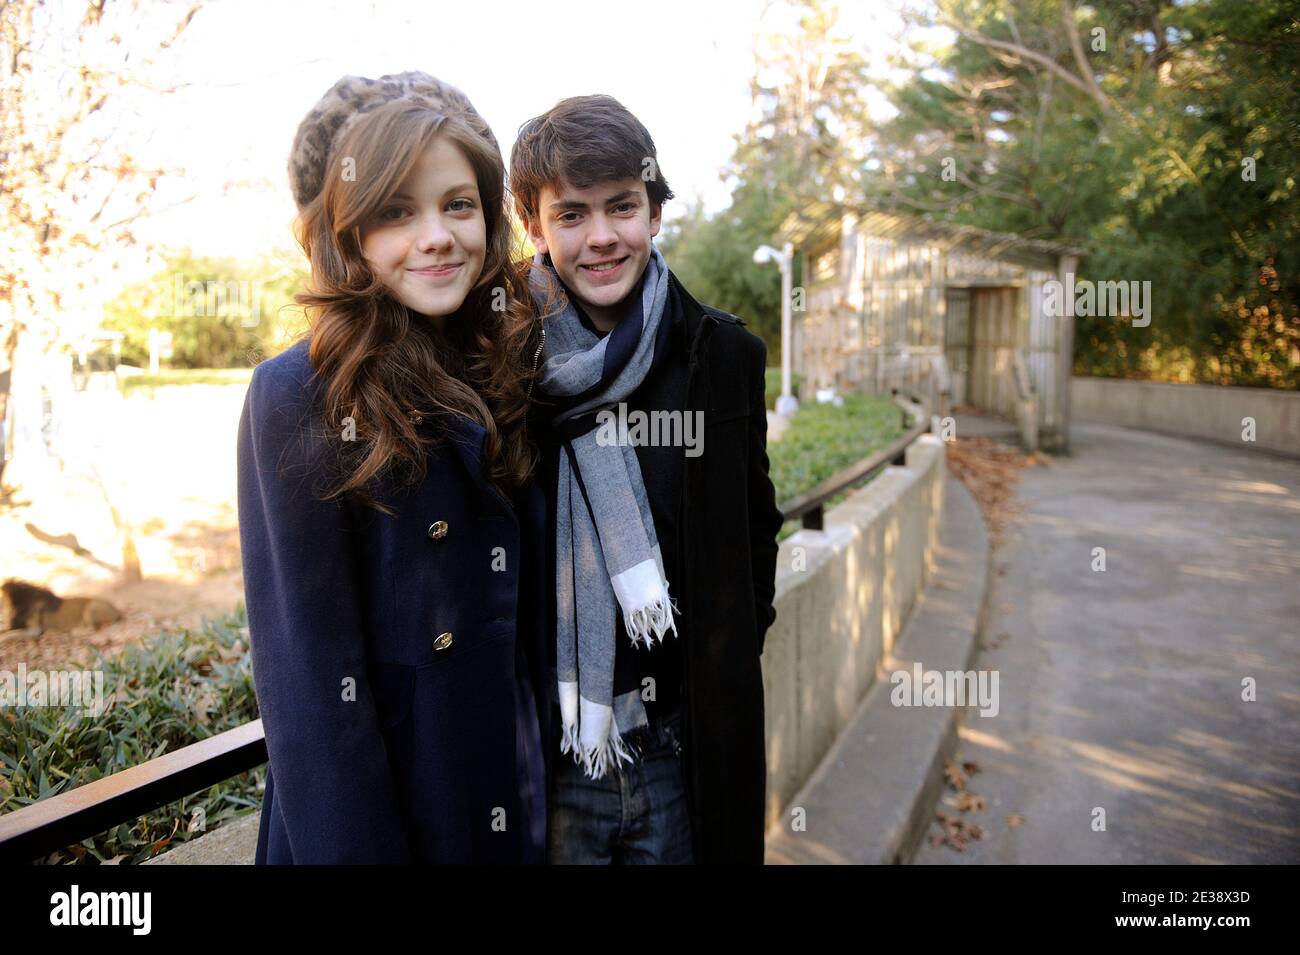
column 434, row 235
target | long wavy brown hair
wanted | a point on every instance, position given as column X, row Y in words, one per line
column 388, row 369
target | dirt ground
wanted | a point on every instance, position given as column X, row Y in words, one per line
column 166, row 463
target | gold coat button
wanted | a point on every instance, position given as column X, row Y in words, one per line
column 437, row 530
column 443, row 641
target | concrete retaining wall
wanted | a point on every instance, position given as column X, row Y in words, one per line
column 1209, row 412
column 842, row 596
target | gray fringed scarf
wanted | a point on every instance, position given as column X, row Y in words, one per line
column 607, row 556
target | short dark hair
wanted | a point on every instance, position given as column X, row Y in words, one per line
column 583, row 140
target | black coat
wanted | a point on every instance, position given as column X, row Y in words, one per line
column 727, row 528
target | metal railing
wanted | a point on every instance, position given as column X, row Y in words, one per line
column 35, row 831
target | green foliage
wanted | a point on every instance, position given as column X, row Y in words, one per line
column 221, row 312
column 1142, row 157
column 714, row 258
column 823, row 439
column 1147, row 170
column 177, row 689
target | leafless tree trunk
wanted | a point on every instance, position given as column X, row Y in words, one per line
column 70, row 188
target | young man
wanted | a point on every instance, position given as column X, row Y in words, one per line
column 665, row 522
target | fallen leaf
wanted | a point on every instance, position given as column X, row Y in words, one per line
column 991, row 470
column 970, row 802
column 954, row 775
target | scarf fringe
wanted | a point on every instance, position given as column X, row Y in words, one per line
column 569, row 739
column 646, row 624
column 595, row 760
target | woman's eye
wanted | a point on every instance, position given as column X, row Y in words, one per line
column 461, row 205
column 392, row 213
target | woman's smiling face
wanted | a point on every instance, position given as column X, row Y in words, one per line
column 428, row 242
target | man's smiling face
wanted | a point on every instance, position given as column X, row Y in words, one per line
column 599, row 241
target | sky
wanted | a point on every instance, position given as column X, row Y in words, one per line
column 249, row 70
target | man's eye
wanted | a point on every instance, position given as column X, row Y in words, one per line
column 564, row 217
column 624, row 206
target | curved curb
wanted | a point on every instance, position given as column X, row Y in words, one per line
column 873, row 795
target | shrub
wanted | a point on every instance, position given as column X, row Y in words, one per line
column 176, row 689
column 823, row 439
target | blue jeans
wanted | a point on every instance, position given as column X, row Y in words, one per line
column 635, row 815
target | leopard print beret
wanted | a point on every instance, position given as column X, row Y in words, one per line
column 351, row 98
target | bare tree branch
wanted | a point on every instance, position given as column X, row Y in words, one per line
column 1080, row 58
column 1025, row 53
column 1044, row 100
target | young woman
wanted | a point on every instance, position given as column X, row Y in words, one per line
column 389, row 522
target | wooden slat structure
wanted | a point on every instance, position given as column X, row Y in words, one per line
column 892, row 303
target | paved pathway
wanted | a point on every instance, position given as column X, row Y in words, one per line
column 1122, row 690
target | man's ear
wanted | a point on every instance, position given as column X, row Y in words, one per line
column 535, row 236
column 656, row 219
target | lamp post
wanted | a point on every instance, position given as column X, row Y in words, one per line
column 787, row 403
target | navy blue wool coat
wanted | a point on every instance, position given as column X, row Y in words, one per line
column 395, row 659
